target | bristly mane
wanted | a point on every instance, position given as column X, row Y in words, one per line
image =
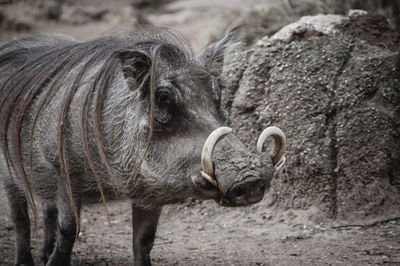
column 46, row 61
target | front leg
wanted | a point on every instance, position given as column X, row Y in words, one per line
column 144, row 223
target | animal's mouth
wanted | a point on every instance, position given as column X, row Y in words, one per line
column 249, row 191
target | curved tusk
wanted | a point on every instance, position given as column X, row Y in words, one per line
column 208, row 148
column 209, row 178
column 279, row 145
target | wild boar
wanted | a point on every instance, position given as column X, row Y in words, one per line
column 134, row 116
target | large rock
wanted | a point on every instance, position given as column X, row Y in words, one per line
column 268, row 17
column 332, row 84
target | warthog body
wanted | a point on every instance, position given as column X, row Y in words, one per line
column 123, row 116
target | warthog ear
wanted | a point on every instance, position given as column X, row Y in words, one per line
column 136, row 66
column 212, row 57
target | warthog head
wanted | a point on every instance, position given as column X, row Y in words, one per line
column 183, row 157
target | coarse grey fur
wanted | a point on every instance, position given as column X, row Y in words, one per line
column 123, row 116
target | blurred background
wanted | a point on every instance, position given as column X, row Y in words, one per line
column 196, row 19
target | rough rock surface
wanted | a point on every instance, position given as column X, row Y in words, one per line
column 337, row 97
column 267, row 19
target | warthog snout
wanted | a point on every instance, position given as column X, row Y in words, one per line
column 240, row 177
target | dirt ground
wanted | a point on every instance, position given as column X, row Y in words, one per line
column 196, row 233
column 202, row 233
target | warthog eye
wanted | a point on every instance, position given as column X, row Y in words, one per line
column 165, row 106
column 163, row 97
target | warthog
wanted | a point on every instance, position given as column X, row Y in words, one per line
column 134, row 116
